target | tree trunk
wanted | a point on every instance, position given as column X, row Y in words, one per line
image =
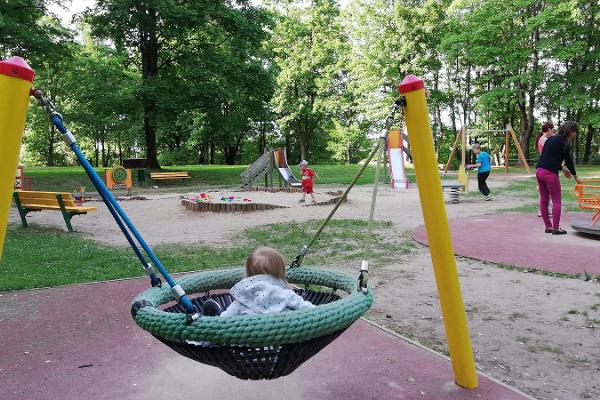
column 302, row 143
column 204, row 152
column 96, row 153
column 103, row 152
column 120, row 147
column 263, row 138
column 587, row 150
column 51, row 140
column 523, row 123
column 107, row 162
column 149, row 53
column 532, row 96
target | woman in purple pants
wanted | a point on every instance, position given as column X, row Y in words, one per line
column 557, row 150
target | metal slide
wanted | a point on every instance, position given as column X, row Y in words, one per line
column 283, row 168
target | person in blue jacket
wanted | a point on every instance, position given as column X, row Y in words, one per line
column 483, row 163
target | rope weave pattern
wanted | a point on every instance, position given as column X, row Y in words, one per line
column 253, row 330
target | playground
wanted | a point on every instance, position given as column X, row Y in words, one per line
column 533, row 331
column 530, row 314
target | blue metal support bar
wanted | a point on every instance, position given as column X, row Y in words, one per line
column 115, row 209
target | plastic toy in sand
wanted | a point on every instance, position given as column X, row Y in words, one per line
column 233, row 199
column 202, row 197
column 207, row 198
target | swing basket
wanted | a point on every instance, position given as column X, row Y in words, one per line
column 252, row 347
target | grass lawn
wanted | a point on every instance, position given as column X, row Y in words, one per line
column 40, row 257
column 68, row 178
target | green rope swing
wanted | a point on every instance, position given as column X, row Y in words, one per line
column 252, row 330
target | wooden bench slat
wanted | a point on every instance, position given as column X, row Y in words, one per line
column 27, row 201
column 170, row 177
column 44, row 195
column 45, row 201
column 168, row 174
column 57, row 207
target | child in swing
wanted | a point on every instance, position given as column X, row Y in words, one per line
column 307, row 181
column 265, row 289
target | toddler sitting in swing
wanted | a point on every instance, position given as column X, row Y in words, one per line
column 265, row 289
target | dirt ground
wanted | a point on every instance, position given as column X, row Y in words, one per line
column 535, row 332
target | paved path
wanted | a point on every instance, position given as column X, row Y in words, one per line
column 79, row 342
column 519, row 240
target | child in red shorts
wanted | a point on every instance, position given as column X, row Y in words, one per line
column 307, row 180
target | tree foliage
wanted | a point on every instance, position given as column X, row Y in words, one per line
column 220, row 81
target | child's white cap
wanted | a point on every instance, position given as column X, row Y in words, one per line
column 303, row 162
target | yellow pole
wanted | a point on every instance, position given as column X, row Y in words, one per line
column 15, row 82
column 438, row 232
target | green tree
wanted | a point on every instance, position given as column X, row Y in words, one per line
column 161, row 34
column 28, row 30
column 306, row 46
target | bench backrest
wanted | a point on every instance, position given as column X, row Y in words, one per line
column 168, row 174
column 45, row 198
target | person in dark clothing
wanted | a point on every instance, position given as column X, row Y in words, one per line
column 557, row 150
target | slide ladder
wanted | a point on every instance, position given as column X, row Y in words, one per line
column 259, row 168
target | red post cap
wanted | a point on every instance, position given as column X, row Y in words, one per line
column 17, row 68
column 410, row 83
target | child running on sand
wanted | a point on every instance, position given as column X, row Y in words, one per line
column 307, row 181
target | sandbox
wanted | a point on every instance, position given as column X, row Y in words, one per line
column 255, row 199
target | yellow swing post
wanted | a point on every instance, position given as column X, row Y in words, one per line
column 16, row 78
column 438, row 232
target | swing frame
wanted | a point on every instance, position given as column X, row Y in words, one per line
column 509, row 133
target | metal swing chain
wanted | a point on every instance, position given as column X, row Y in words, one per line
column 44, row 101
column 49, row 107
column 399, row 103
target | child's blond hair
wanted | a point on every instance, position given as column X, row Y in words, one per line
column 265, row 260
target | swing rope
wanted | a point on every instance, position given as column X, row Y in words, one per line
column 117, row 212
column 306, row 248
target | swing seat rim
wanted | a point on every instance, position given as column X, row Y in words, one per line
column 253, row 330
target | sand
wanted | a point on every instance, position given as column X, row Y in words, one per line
column 535, row 332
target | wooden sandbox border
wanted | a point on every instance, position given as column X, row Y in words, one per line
column 250, row 207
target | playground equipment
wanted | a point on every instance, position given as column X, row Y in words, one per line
column 508, row 132
column 272, row 345
column 22, row 182
column 457, row 188
column 588, row 196
column 438, row 231
column 395, row 145
column 118, row 175
column 264, row 166
column 16, row 78
column 386, row 152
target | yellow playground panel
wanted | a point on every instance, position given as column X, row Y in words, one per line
column 588, row 195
